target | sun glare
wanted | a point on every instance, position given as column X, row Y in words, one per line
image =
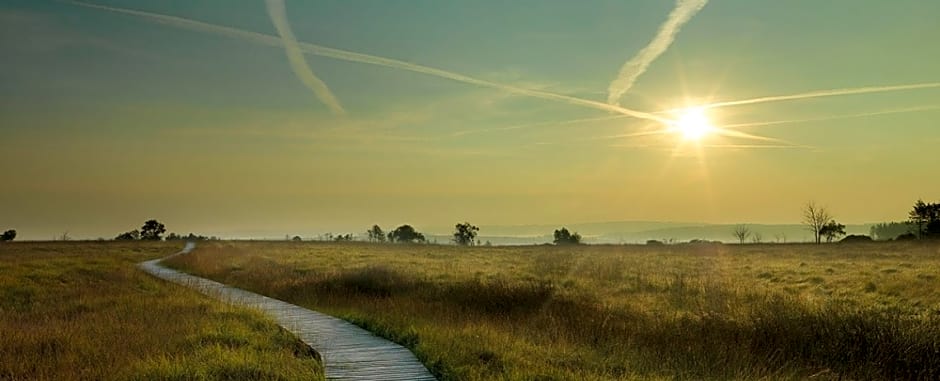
column 693, row 124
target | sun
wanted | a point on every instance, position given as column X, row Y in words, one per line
column 693, row 124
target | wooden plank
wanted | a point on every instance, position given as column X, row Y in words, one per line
column 348, row 352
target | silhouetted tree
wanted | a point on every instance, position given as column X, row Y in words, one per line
column 926, row 219
column 815, row 217
column 132, row 235
column 343, row 237
column 297, row 238
column 376, row 234
column 8, row 235
column 405, row 234
column 465, row 233
column 832, row 230
column 757, row 237
column 564, row 237
column 741, row 232
column 152, row 230
column 194, row 237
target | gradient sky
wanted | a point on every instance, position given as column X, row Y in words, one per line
column 108, row 119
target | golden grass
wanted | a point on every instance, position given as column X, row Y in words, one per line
column 81, row 310
column 864, row 311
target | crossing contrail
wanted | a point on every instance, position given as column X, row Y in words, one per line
column 373, row 60
column 278, row 13
column 635, row 67
column 824, row 93
column 777, row 98
column 716, row 130
column 834, row 117
column 530, row 125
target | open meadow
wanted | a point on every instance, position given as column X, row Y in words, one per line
column 82, row 310
column 689, row 311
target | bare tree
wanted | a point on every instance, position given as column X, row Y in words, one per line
column 757, row 238
column 741, row 232
column 815, row 218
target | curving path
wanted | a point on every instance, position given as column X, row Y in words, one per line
column 348, row 352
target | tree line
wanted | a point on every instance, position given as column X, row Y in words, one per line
column 923, row 223
column 153, row 230
column 464, row 234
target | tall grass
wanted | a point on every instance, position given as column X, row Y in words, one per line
column 80, row 310
column 619, row 312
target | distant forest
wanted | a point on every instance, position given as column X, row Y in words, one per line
column 923, row 222
column 891, row 230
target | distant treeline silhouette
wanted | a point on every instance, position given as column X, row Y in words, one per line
column 153, row 230
column 891, row 230
column 923, row 223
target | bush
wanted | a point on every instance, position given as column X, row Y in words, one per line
column 564, row 237
column 856, row 238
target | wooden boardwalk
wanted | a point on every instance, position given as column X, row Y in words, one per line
column 348, row 352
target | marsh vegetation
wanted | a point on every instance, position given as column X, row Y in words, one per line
column 705, row 311
column 81, row 310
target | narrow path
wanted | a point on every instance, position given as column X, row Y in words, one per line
column 348, row 352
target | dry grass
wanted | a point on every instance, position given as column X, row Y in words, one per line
column 81, row 310
column 720, row 312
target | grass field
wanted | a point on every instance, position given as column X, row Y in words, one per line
column 869, row 311
column 81, row 310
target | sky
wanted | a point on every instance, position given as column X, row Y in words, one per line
column 109, row 118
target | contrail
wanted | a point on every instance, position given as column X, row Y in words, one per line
column 755, row 146
column 373, row 60
column 824, row 93
column 530, row 125
column 834, row 117
column 813, row 94
column 720, row 131
column 745, row 135
column 636, row 66
column 278, row 13
column 716, row 131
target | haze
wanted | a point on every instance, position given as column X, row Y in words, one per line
column 108, row 119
